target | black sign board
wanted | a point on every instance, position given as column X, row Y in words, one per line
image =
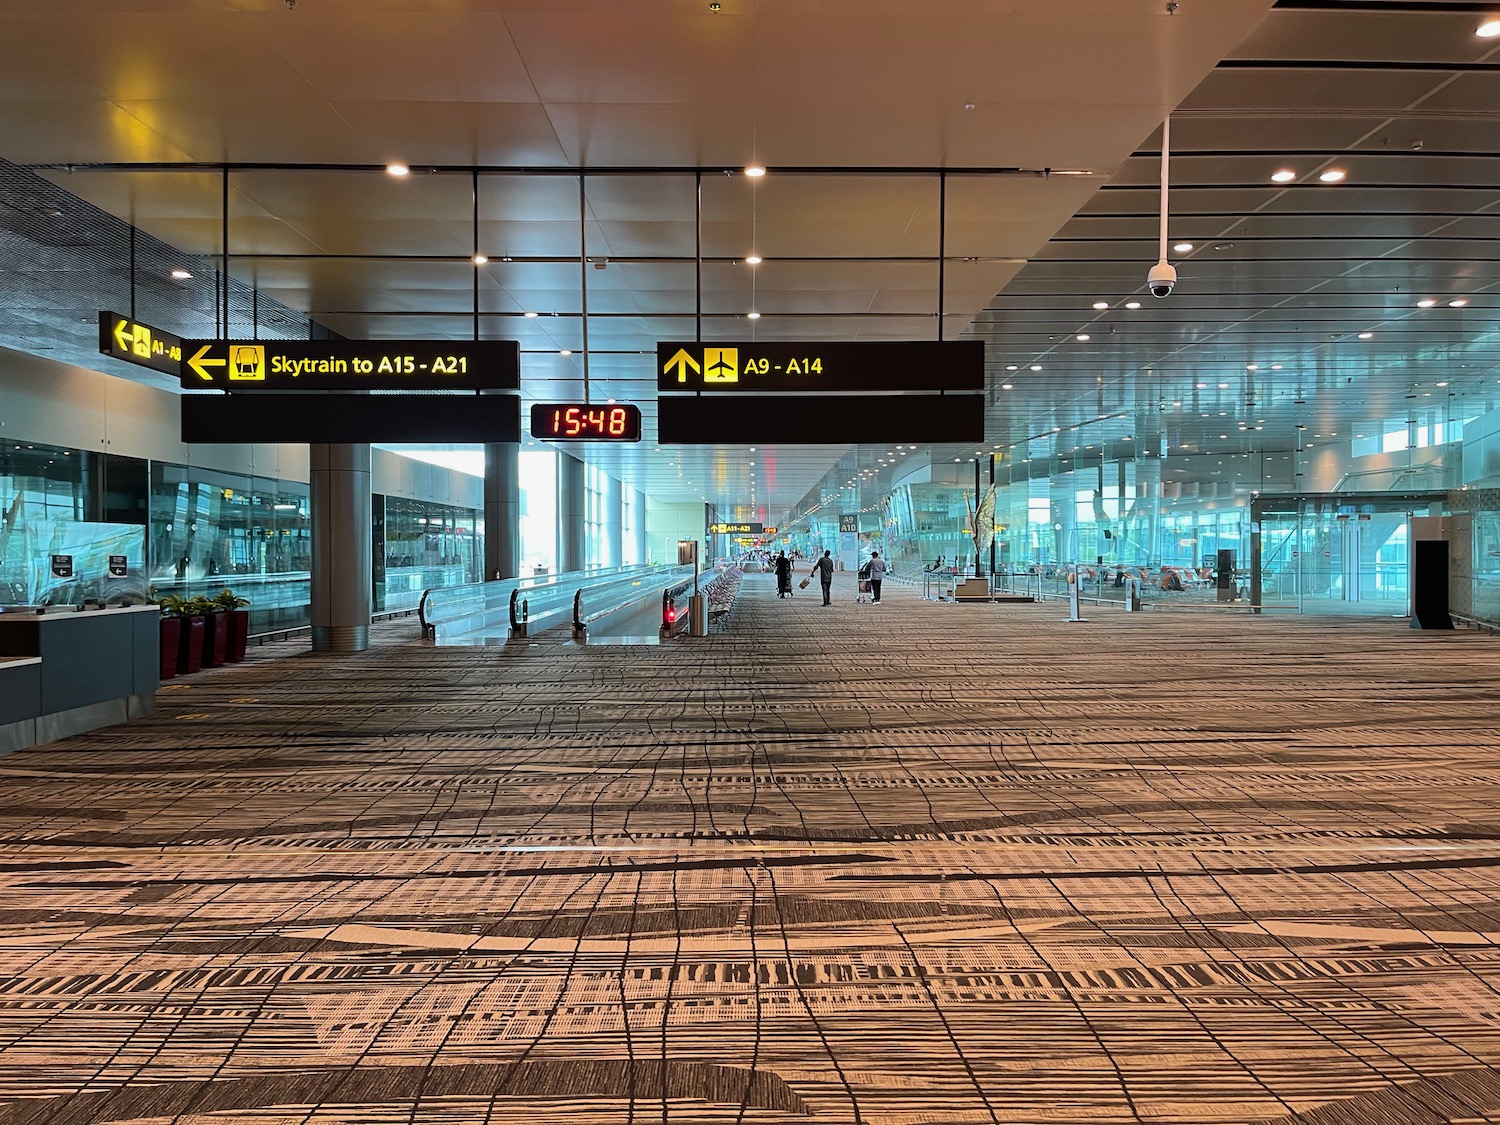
column 820, row 368
column 62, row 566
column 134, row 342
column 119, row 566
column 350, row 418
column 735, row 529
column 849, row 521
column 819, row 420
column 351, row 365
column 582, row 421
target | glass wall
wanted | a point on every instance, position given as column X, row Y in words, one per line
column 539, row 483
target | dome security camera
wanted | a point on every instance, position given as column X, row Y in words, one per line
column 1161, row 279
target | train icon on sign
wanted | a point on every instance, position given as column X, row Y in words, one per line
column 247, row 363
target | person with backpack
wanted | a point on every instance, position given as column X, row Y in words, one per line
column 824, row 570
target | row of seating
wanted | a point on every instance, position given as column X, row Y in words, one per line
column 721, row 593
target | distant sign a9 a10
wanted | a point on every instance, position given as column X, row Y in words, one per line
column 582, row 421
column 351, row 365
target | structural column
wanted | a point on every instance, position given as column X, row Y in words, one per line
column 570, row 501
column 339, row 487
column 502, row 510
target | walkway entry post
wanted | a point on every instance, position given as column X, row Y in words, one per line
column 339, row 489
column 1074, row 605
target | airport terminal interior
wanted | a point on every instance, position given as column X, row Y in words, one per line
column 404, row 716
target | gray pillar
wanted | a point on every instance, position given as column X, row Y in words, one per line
column 502, row 510
column 339, row 487
column 615, row 514
column 570, row 500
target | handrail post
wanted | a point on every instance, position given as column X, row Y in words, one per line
column 578, row 625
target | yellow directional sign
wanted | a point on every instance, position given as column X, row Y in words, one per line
column 681, row 361
column 120, row 337
column 723, row 365
column 200, row 364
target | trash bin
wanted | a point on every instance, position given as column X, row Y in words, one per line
column 698, row 615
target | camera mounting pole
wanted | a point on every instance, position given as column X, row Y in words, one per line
column 1166, row 145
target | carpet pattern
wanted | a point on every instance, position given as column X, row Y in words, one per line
column 888, row 864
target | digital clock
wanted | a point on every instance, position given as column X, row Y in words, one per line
column 582, row 421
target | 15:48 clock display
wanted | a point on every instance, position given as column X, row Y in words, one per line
column 582, row 421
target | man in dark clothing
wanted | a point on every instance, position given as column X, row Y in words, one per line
column 824, row 567
column 783, row 576
column 877, row 574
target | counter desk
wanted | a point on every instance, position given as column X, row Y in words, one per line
column 65, row 671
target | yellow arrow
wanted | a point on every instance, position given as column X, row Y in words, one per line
column 682, row 361
column 198, row 363
column 122, row 338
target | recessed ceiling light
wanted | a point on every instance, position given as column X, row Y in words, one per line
column 1489, row 29
column 1283, row 176
column 1367, row 335
column 397, row 170
column 752, row 259
column 1275, row 367
column 1083, row 335
column 1101, row 304
column 1036, row 366
column 1426, row 303
column 480, row 259
column 566, row 351
column 1132, row 304
column 752, row 316
column 1442, row 384
column 1458, row 302
column 1223, row 386
column 1003, row 387
column 529, row 316
column 1252, row 367
column 1183, row 247
column 1332, row 176
column 1012, row 367
column 1200, row 386
column 755, row 171
column 181, row 275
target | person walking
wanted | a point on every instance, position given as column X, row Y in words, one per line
column 783, row 576
column 877, row 575
column 824, row 569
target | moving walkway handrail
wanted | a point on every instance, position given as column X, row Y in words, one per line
column 456, row 612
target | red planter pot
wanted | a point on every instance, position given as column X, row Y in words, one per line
column 190, row 652
column 239, row 633
column 215, row 639
column 171, row 643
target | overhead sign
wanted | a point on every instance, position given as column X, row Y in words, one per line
column 580, row 421
column 735, row 529
column 902, row 365
column 351, row 365
column 848, row 521
column 818, row 419
column 350, row 418
column 134, row 342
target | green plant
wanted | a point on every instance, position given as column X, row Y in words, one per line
column 228, row 599
column 199, row 606
column 172, row 606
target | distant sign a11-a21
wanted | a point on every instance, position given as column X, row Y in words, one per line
column 350, row 365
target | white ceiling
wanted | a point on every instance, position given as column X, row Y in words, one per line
column 853, row 106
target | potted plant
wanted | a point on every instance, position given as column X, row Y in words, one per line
column 171, row 633
column 239, row 623
column 215, row 630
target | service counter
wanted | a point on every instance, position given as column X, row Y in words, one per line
column 65, row 671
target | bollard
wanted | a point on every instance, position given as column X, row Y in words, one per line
column 698, row 616
column 1132, row 595
column 1074, row 609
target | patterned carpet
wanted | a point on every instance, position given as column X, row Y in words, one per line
column 888, row 863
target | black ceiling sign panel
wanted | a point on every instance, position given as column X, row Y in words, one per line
column 350, row 418
column 261, row 366
column 820, row 367
column 129, row 340
column 819, row 419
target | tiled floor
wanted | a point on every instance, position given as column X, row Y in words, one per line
column 893, row 864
